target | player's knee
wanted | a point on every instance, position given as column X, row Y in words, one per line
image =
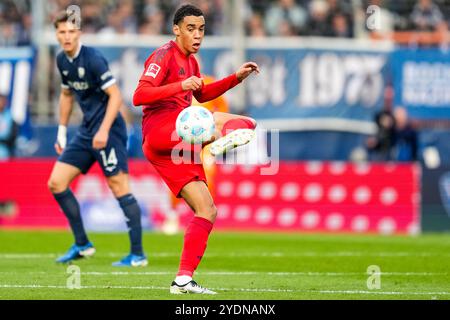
column 56, row 186
column 212, row 213
column 115, row 188
column 208, row 212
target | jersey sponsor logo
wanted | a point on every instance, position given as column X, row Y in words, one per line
column 153, row 70
column 65, row 72
column 81, row 72
column 78, row 85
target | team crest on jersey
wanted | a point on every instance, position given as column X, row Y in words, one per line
column 65, row 72
column 152, row 70
column 81, row 72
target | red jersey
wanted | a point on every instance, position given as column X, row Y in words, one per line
column 160, row 87
column 168, row 65
column 161, row 93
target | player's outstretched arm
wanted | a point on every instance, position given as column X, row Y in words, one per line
column 217, row 88
column 65, row 110
column 147, row 93
column 246, row 69
column 112, row 109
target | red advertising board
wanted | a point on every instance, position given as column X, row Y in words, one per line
column 318, row 196
column 25, row 187
column 301, row 196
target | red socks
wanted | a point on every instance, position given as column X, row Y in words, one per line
column 195, row 240
column 234, row 124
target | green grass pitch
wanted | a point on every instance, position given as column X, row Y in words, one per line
column 239, row 266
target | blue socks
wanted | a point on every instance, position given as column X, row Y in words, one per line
column 69, row 205
column 132, row 212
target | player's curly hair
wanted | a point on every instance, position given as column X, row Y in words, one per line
column 184, row 11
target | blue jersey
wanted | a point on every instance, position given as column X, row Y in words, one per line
column 87, row 75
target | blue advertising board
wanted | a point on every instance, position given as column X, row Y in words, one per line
column 312, row 83
column 16, row 70
column 421, row 82
column 293, row 83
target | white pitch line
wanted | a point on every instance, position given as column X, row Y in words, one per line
column 243, row 273
column 244, row 254
column 249, row 273
column 38, row 286
column 27, row 255
column 257, row 290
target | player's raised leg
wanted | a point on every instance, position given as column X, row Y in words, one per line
column 233, row 130
column 60, row 178
column 197, row 196
column 120, row 187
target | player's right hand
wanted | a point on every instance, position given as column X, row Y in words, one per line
column 61, row 139
column 192, row 83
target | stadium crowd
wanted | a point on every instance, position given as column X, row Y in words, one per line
column 263, row 18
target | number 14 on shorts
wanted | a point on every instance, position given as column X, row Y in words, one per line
column 109, row 161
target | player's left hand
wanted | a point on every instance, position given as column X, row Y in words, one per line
column 246, row 69
column 100, row 140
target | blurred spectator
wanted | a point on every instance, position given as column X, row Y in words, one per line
column 113, row 25
column 318, row 19
column 444, row 39
column 406, row 146
column 281, row 17
column 286, row 29
column 260, row 5
column 255, row 26
column 343, row 6
column 285, row 16
column 126, row 12
column 152, row 21
column 211, row 14
column 340, row 26
column 91, row 15
column 381, row 145
column 15, row 24
column 396, row 137
column 25, row 30
column 151, row 7
column 426, row 15
column 8, row 35
column 153, row 24
column 8, row 130
column 121, row 20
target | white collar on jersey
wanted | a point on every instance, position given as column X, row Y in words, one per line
column 76, row 54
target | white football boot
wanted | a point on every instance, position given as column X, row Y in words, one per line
column 236, row 138
column 190, row 287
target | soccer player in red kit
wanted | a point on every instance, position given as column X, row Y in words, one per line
column 170, row 78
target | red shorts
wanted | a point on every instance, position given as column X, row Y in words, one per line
column 177, row 162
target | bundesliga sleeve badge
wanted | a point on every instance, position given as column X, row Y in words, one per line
column 153, row 70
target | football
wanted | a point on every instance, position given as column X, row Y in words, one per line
column 195, row 125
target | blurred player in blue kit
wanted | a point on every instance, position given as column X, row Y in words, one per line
column 101, row 138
